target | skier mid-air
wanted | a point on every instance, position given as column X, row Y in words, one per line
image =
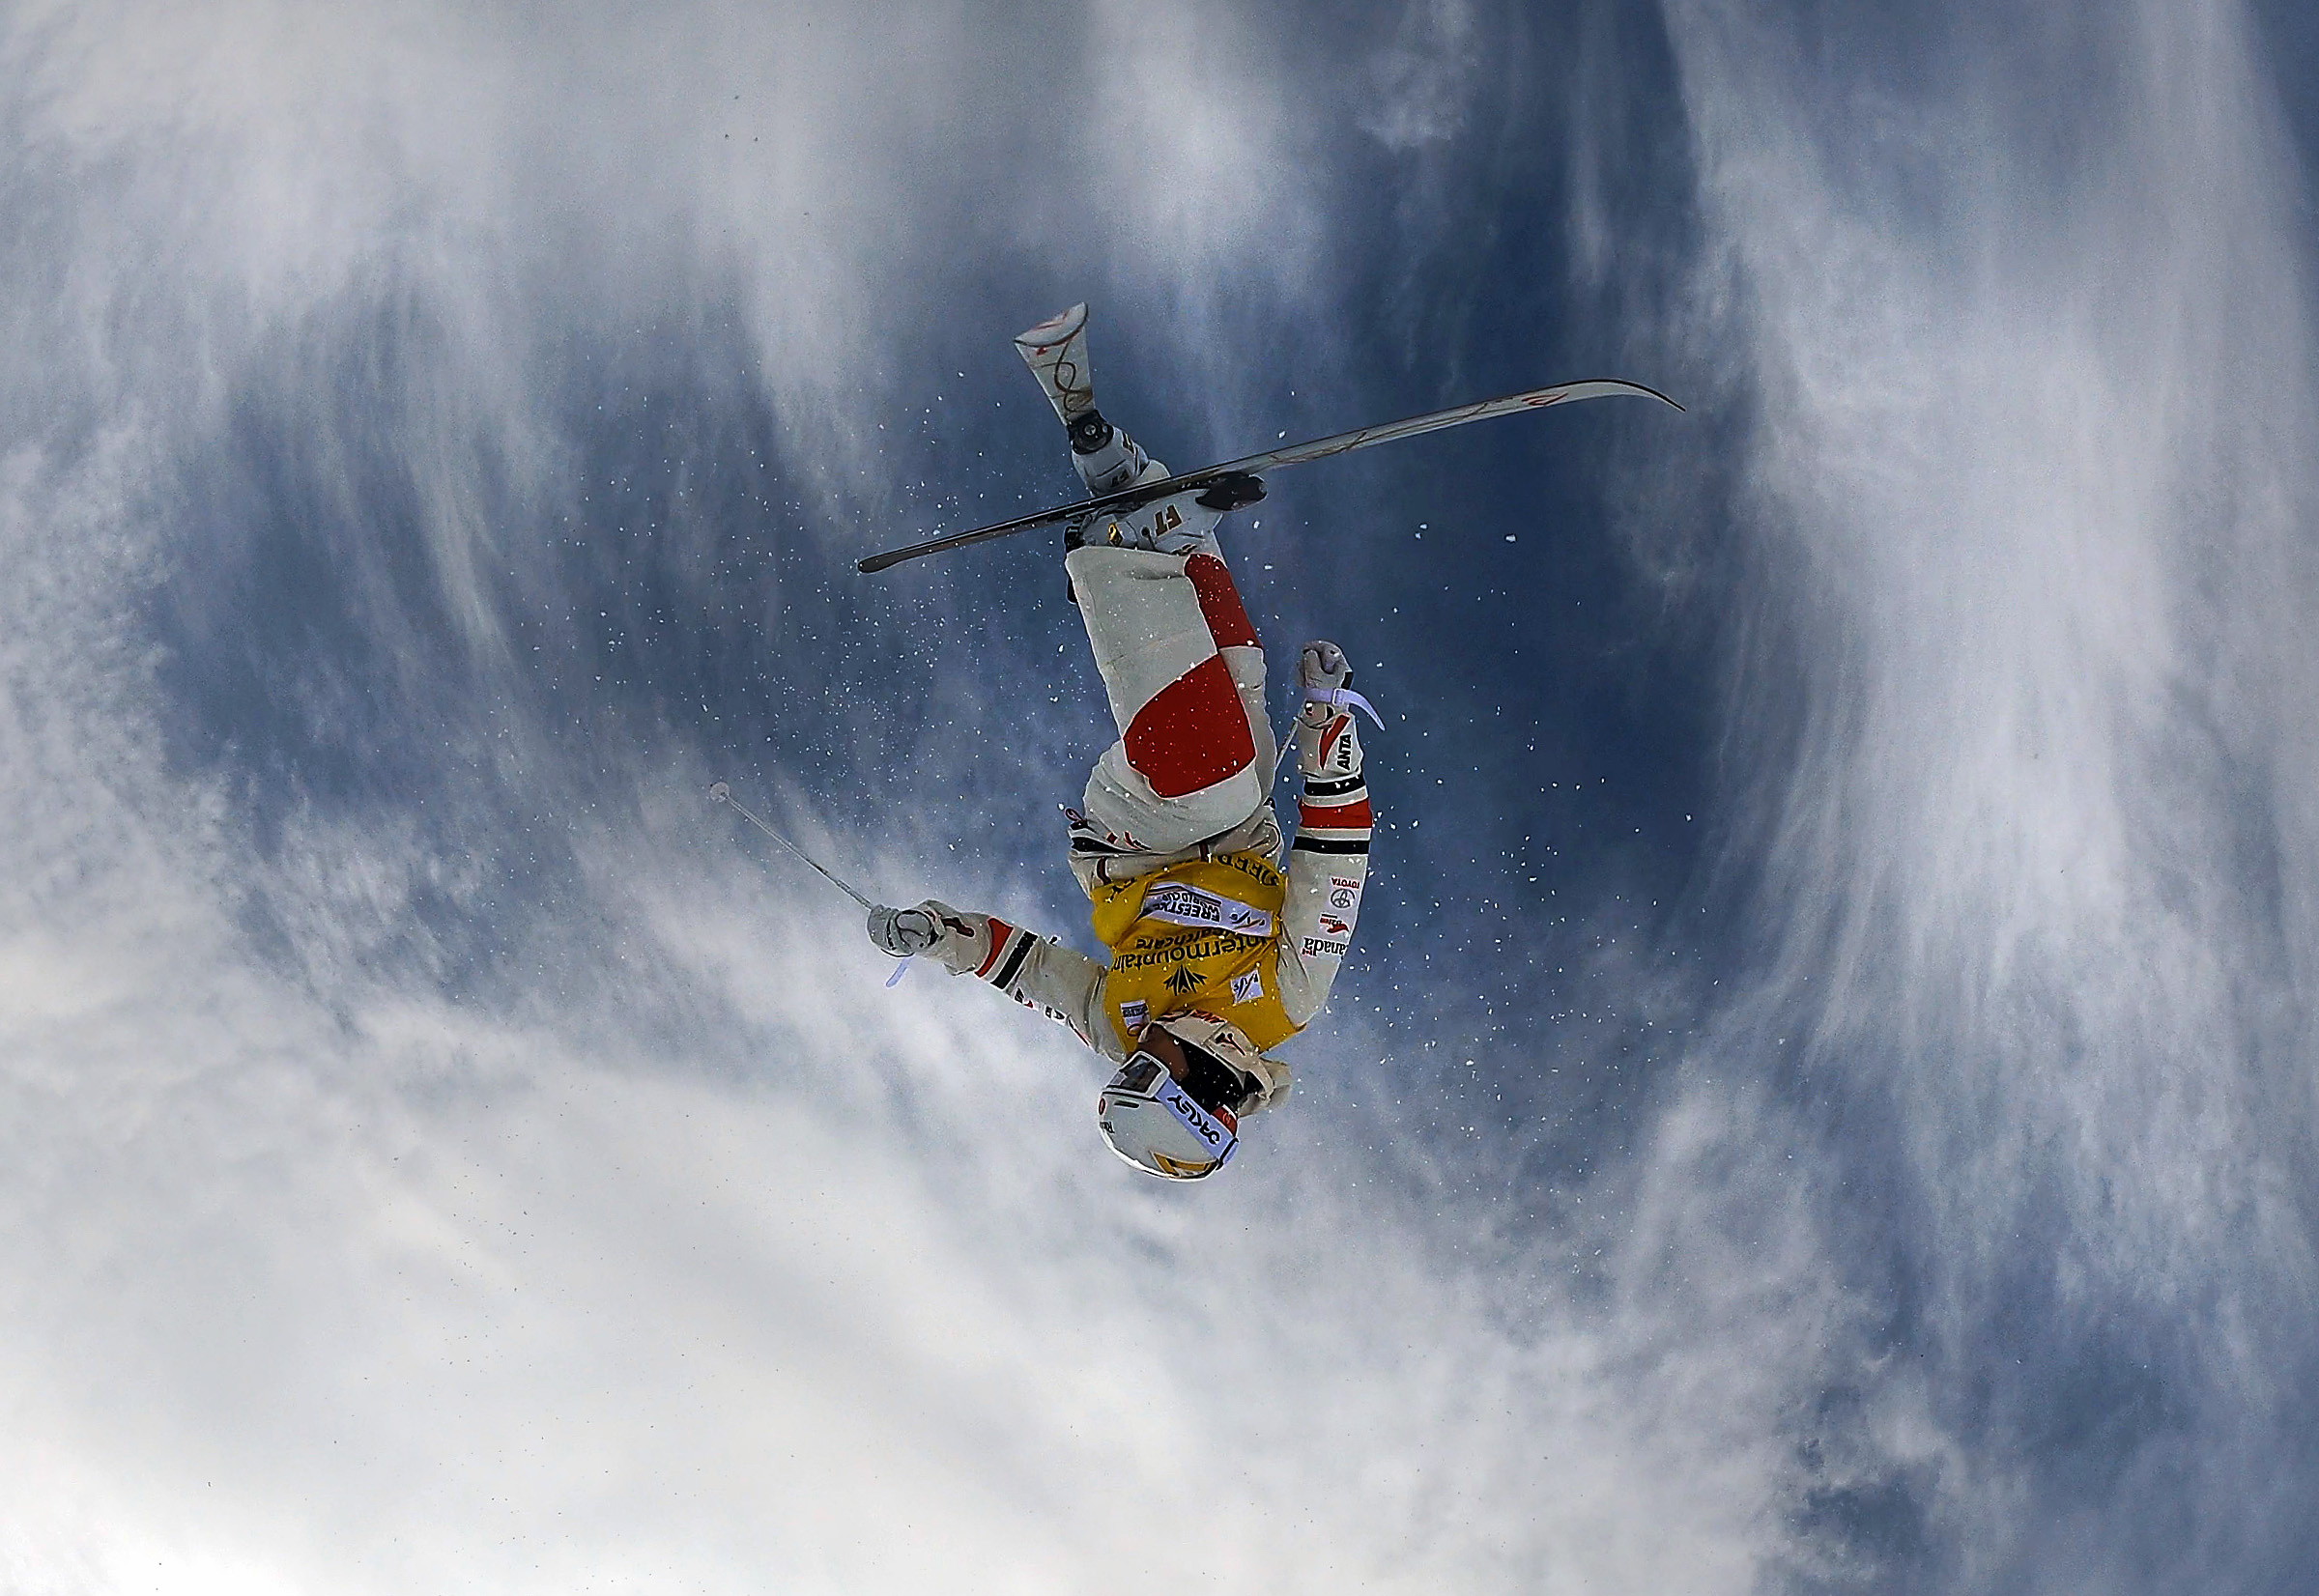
column 1219, row 953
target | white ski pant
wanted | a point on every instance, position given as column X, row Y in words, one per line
column 1185, row 675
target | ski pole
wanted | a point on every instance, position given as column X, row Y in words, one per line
column 723, row 795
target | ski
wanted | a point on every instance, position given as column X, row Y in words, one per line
column 1088, row 510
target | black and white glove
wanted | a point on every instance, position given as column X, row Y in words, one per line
column 903, row 932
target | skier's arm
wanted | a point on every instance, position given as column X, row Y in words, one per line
column 1328, row 863
column 1060, row 982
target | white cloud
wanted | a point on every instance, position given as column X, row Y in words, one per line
column 1421, row 86
column 2022, row 323
column 681, row 1255
column 352, row 1288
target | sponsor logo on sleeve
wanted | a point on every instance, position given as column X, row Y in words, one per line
column 1132, row 1015
column 1249, row 987
column 1334, row 926
column 1317, row 947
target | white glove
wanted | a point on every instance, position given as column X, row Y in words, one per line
column 1322, row 669
column 1327, row 745
column 903, row 932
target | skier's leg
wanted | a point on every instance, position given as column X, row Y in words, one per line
column 1179, row 662
column 1184, row 675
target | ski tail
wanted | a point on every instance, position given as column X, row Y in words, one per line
column 1056, row 352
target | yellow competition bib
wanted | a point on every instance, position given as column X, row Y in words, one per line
column 1203, row 936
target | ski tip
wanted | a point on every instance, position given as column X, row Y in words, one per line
column 719, row 793
column 1594, row 387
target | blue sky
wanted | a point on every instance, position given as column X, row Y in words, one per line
column 1823, row 1095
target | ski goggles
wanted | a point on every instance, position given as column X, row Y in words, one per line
column 1214, row 1084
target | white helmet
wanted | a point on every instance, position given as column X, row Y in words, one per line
column 1181, row 1131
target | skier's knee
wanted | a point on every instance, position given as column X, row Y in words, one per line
column 1193, row 734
